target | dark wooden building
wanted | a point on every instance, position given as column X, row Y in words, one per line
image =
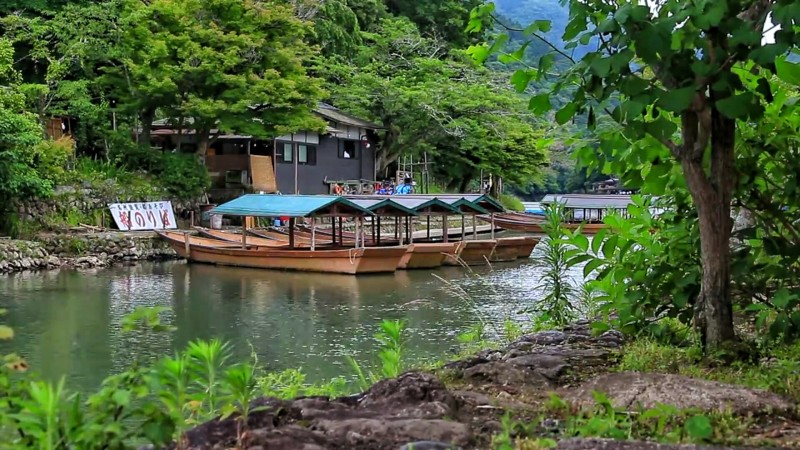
column 299, row 163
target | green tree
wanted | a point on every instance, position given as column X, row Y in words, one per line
column 672, row 76
column 426, row 98
column 19, row 133
column 236, row 66
column 441, row 19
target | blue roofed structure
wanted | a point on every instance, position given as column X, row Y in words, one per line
column 384, row 207
column 268, row 205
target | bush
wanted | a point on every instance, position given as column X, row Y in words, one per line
column 52, row 157
column 182, row 175
column 511, row 202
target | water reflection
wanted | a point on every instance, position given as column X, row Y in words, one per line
column 68, row 322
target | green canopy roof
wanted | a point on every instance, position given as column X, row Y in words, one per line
column 270, row 205
column 383, row 207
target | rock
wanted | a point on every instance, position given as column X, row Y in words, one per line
column 363, row 431
column 551, row 366
column 609, row 444
column 429, row 445
column 505, row 374
column 631, row 389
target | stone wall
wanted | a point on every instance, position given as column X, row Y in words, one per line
column 81, row 250
column 71, row 206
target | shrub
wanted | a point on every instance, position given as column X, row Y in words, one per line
column 511, row 202
column 52, row 157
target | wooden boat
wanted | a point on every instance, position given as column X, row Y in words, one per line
column 471, row 253
column 524, row 245
column 234, row 237
column 515, row 222
column 348, row 236
column 346, row 261
column 426, row 256
column 507, row 249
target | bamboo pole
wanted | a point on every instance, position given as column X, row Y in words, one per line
column 475, row 227
column 244, row 233
column 291, row 232
column 445, row 233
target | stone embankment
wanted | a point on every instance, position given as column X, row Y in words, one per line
column 83, row 250
column 462, row 405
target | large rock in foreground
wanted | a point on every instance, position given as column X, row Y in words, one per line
column 631, row 390
column 609, row 444
column 413, row 407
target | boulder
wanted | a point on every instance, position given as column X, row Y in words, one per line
column 630, row 390
column 609, row 444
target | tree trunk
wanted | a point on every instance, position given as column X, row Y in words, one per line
column 146, row 116
column 203, row 141
column 712, row 194
column 497, row 186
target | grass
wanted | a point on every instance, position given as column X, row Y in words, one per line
column 778, row 370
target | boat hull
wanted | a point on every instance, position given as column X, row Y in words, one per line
column 345, row 261
column 471, row 253
column 426, row 256
column 534, row 225
column 507, row 249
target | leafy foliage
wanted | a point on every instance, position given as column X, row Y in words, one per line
column 697, row 68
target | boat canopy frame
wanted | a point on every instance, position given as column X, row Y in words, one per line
column 294, row 206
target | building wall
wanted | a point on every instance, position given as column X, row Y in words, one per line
column 328, row 164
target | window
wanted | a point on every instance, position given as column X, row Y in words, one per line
column 307, row 154
column 348, row 149
column 284, row 153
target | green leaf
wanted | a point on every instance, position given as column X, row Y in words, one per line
column 712, row 16
column 545, row 64
column 598, row 239
column 788, row 72
column 540, row 104
column 737, row 106
column 782, row 298
column 521, row 79
column 581, row 241
column 601, row 67
column 591, row 266
column 6, row 332
column 661, row 128
column 566, row 113
column 677, row 100
column 699, row 427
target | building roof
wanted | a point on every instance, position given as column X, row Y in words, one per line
column 324, row 110
column 588, row 201
column 334, row 114
column 385, row 207
column 270, row 205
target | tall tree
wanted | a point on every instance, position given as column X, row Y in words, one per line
column 228, row 65
column 672, row 72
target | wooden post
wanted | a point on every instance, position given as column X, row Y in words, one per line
column 333, row 231
column 187, row 245
column 445, row 233
column 410, row 230
column 374, row 236
column 341, row 234
column 492, row 216
column 313, row 233
column 429, row 226
column 400, row 223
column 291, row 232
column 463, row 227
column 379, row 231
column 244, row 232
column 397, row 228
column 475, row 227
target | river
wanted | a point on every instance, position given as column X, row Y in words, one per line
column 67, row 322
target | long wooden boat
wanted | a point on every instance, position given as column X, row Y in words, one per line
column 534, row 224
column 471, row 253
column 524, row 245
column 427, row 255
column 234, row 237
column 345, row 261
column 507, row 249
column 348, row 236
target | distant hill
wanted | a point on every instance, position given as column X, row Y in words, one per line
column 526, row 11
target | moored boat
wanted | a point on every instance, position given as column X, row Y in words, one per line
column 426, row 255
column 507, row 249
column 471, row 253
column 345, row 261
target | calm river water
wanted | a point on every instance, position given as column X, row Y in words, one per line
column 67, row 322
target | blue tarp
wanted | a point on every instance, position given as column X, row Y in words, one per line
column 269, row 205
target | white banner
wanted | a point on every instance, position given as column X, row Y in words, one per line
column 143, row 216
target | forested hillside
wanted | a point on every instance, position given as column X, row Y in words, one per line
column 115, row 66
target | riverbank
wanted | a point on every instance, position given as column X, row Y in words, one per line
column 81, row 250
column 541, row 391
